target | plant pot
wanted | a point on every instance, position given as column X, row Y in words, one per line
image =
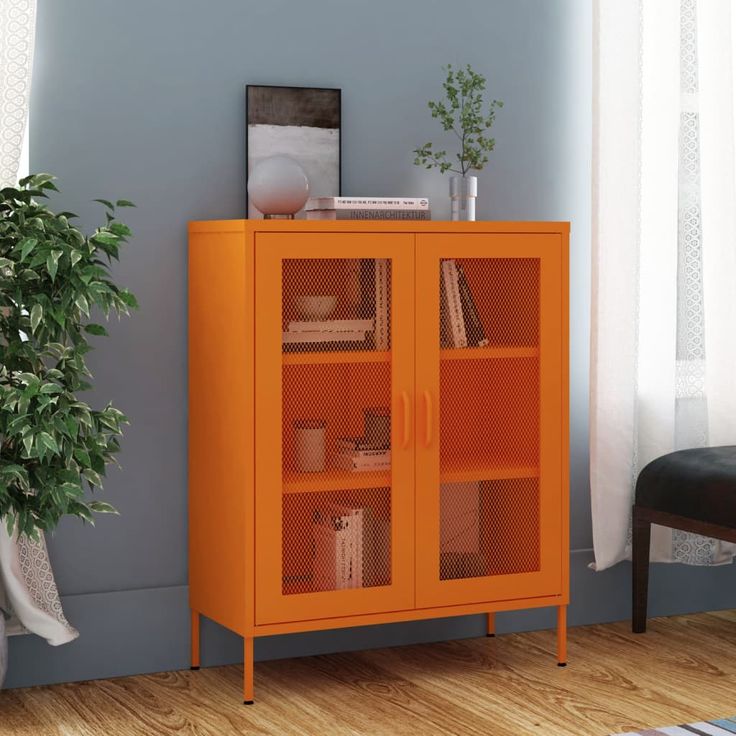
column 463, row 192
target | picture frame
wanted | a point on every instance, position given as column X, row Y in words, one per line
column 304, row 123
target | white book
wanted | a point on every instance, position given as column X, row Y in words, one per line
column 348, row 525
column 335, row 519
column 382, row 304
column 366, row 452
column 356, row 578
column 293, row 338
column 369, row 203
column 446, row 340
column 343, row 554
column 332, row 325
column 354, row 464
column 454, row 304
column 353, row 444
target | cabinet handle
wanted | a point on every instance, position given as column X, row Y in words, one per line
column 427, row 418
column 407, row 428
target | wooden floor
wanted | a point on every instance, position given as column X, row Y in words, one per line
column 683, row 669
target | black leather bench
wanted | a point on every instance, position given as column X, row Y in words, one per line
column 693, row 490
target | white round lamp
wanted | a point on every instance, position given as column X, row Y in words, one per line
column 278, row 187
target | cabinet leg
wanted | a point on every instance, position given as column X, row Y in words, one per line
column 195, row 640
column 248, row 670
column 562, row 636
column 491, row 625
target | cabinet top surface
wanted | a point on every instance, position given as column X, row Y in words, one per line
column 386, row 226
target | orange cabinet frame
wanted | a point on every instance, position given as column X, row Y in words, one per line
column 378, row 423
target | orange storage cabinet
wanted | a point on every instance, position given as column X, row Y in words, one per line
column 378, row 423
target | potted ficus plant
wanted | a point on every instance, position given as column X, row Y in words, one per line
column 463, row 113
column 54, row 447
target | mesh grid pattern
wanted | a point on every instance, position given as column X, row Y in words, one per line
column 328, row 409
column 489, row 528
column 336, row 540
column 489, row 412
column 336, row 425
column 489, row 419
column 336, row 304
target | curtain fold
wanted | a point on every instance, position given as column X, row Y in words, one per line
column 663, row 350
column 17, row 30
column 28, row 590
column 28, row 593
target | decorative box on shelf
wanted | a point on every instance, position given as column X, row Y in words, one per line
column 378, row 423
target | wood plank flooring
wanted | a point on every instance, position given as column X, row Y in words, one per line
column 683, row 669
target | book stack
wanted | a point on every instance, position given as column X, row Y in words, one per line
column 325, row 333
column 358, row 455
column 368, row 208
column 351, row 548
column 460, row 323
column 369, row 330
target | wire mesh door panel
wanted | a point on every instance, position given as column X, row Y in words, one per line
column 489, row 372
column 334, row 481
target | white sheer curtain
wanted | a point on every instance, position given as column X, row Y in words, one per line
column 663, row 354
column 28, row 591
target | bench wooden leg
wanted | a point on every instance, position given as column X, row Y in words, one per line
column 642, row 532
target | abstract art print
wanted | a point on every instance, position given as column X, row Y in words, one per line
column 300, row 122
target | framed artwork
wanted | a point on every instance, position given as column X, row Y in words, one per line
column 300, row 122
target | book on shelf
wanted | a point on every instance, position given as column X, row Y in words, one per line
column 337, row 533
column 382, row 297
column 301, row 338
column 372, row 214
column 338, row 345
column 366, row 287
column 331, row 325
column 452, row 304
column 446, row 339
column 374, row 298
column 363, row 460
column 351, row 548
column 460, row 322
column 474, row 329
column 324, row 561
column 355, row 444
column 366, row 203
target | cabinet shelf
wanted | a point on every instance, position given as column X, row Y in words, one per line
column 469, row 472
column 334, row 480
column 337, row 356
column 489, row 352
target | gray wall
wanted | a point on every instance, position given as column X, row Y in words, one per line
column 145, row 100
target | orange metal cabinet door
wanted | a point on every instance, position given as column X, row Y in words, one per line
column 489, row 417
column 334, row 455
